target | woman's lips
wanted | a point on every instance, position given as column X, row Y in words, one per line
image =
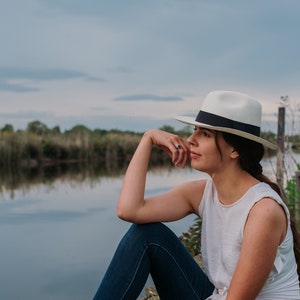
column 194, row 155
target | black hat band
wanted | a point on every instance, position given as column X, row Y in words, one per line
column 215, row 120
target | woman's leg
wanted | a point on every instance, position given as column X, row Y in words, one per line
column 153, row 248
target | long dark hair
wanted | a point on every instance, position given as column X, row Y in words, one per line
column 250, row 155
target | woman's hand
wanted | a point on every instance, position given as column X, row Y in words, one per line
column 172, row 144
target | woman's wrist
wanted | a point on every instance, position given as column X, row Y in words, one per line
column 148, row 136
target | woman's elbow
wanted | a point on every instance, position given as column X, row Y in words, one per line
column 130, row 215
column 124, row 214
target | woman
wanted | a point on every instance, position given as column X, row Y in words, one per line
column 246, row 237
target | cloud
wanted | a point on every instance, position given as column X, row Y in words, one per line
column 16, row 88
column 34, row 75
column 38, row 74
column 147, row 97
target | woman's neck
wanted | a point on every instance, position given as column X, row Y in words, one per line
column 231, row 187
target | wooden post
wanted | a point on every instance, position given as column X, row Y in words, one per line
column 280, row 144
column 297, row 197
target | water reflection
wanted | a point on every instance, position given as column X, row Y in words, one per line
column 60, row 231
column 12, row 180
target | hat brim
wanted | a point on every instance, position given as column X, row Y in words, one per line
column 191, row 121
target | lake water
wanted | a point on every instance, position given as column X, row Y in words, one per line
column 57, row 238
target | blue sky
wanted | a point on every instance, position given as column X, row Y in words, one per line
column 136, row 64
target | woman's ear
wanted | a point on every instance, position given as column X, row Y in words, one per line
column 234, row 154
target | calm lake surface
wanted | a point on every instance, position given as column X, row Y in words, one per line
column 58, row 237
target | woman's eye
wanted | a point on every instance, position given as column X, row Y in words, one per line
column 203, row 132
column 206, row 134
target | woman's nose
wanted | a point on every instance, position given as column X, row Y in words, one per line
column 191, row 139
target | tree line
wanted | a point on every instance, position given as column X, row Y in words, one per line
column 38, row 145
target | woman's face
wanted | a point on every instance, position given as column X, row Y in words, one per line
column 205, row 156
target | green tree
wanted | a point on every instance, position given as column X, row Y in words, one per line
column 168, row 128
column 56, row 130
column 37, row 127
column 79, row 129
column 8, row 128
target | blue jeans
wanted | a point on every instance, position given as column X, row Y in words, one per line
column 153, row 249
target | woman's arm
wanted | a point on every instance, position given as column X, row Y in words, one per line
column 170, row 206
column 264, row 231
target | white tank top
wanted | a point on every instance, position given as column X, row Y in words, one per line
column 222, row 237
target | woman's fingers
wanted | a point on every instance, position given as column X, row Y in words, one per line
column 180, row 153
column 176, row 147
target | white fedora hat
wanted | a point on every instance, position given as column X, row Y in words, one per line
column 230, row 112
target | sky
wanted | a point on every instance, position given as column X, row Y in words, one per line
column 137, row 64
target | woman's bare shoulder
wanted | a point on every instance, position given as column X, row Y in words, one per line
column 193, row 191
column 268, row 213
column 268, row 207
